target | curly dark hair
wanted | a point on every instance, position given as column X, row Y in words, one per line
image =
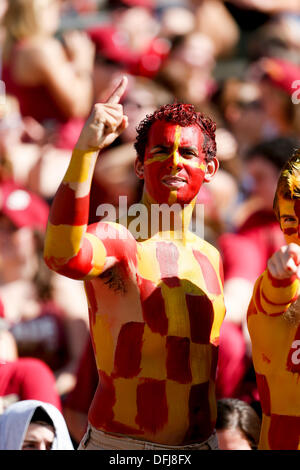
column 184, row 115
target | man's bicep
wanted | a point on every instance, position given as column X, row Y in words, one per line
column 86, row 262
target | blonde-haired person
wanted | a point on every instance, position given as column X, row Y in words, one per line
column 51, row 80
column 274, row 323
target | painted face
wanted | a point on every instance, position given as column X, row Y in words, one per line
column 290, row 219
column 174, row 166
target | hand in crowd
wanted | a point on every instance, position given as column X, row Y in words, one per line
column 106, row 121
column 285, row 262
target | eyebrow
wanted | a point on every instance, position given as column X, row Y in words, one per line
column 158, row 147
column 168, row 147
column 287, row 215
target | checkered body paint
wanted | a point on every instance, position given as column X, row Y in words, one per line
column 155, row 309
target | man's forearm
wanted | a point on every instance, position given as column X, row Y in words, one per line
column 69, row 250
column 274, row 296
column 70, row 209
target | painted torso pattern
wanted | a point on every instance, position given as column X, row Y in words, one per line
column 274, row 327
column 156, row 307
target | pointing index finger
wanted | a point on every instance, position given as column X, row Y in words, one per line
column 118, row 91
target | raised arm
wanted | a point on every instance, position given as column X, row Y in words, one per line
column 278, row 286
column 70, row 249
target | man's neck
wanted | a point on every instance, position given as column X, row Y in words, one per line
column 167, row 220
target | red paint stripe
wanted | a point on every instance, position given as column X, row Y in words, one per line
column 167, row 256
column 152, row 407
column 257, row 298
column 200, row 424
column 129, row 350
column 251, row 309
column 264, row 393
column 81, row 264
column 90, row 292
column 178, row 359
column 294, row 355
column 281, row 282
column 101, row 409
column 277, row 304
column 67, row 209
column 153, row 307
column 201, row 314
column 290, row 231
column 284, row 432
column 209, row 273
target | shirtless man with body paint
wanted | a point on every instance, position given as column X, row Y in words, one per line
column 274, row 323
column 155, row 304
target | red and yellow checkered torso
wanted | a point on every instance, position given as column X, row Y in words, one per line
column 155, row 325
column 156, row 308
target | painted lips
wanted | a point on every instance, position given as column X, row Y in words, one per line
column 174, row 182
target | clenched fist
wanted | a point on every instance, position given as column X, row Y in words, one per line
column 105, row 123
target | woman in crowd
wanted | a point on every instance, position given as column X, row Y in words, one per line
column 52, row 82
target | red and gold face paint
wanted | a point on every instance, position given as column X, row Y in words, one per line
column 289, row 210
column 174, row 166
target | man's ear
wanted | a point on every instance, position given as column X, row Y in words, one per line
column 212, row 167
column 139, row 168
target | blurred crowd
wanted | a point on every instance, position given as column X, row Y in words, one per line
column 237, row 61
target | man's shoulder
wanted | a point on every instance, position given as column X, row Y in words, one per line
column 108, row 230
column 206, row 248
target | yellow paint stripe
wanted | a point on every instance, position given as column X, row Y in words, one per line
column 104, row 344
column 154, row 346
column 148, row 266
column 78, row 170
column 172, row 197
column 280, row 295
column 219, row 314
column 99, row 254
column 157, row 158
column 176, row 156
column 63, row 241
column 200, row 361
column 125, row 391
column 176, row 311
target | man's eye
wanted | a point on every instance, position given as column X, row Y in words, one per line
column 189, row 154
column 28, row 446
column 290, row 220
column 160, row 152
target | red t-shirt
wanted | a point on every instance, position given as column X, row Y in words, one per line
column 28, row 379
